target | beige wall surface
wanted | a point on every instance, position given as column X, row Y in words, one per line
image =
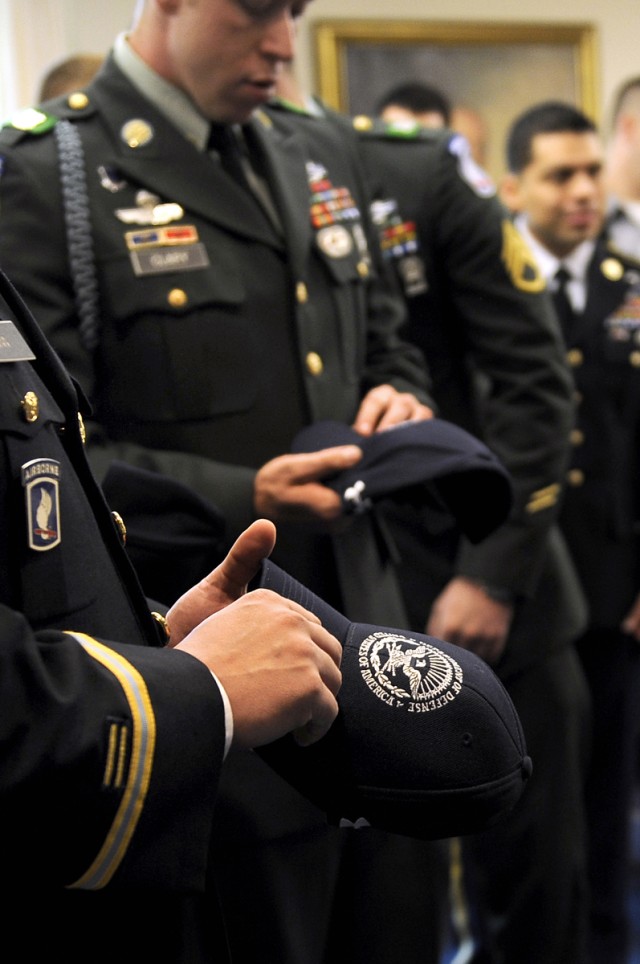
column 90, row 25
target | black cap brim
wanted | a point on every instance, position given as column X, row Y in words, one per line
column 427, row 742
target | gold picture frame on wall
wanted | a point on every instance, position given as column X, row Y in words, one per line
column 491, row 71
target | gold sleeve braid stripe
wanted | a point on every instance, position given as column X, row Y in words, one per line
column 126, row 818
column 543, row 498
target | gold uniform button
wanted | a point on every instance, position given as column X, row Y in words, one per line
column 30, row 407
column 177, row 298
column 120, row 526
column 363, row 269
column 78, row 100
column 302, row 295
column 575, row 357
column 634, row 359
column 315, row 365
column 612, row 269
column 576, row 437
column 575, row 478
column 162, row 622
column 362, row 123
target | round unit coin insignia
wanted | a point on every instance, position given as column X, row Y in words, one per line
column 409, row 673
column 335, row 241
column 136, row 132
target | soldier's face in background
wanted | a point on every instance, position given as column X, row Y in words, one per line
column 561, row 190
column 226, row 54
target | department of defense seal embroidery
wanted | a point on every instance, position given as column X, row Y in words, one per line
column 408, row 673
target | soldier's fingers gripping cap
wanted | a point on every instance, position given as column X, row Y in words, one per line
column 427, row 742
column 433, row 462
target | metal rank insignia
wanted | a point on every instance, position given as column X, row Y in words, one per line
column 166, row 249
column 41, row 481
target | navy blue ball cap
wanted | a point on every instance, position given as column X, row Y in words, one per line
column 431, row 461
column 427, row 742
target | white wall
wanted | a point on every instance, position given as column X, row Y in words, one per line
column 617, row 23
column 90, row 25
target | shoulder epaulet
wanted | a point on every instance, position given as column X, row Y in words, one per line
column 617, row 261
column 398, row 130
column 40, row 120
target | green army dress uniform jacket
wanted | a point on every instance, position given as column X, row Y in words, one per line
column 479, row 312
column 218, row 334
column 101, row 863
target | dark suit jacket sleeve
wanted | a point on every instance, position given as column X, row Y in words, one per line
column 110, row 759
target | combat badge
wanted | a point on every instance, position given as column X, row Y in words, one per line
column 41, row 479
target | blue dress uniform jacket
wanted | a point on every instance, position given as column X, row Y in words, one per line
column 211, row 354
column 98, row 856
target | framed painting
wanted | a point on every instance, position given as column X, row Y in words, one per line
column 489, row 72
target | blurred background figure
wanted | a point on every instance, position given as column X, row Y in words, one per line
column 470, row 122
column 556, row 183
column 623, row 169
column 68, row 75
column 415, row 102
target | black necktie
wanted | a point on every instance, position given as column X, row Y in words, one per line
column 563, row 306
column 224, row 142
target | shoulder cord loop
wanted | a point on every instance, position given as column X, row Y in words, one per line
column 77, row 218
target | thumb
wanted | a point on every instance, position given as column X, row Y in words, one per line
column 244, row 558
